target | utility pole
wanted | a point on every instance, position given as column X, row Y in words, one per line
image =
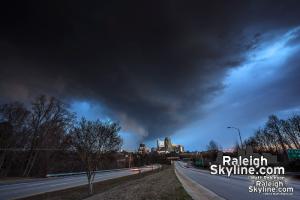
column 238, row 130
column 129, row 159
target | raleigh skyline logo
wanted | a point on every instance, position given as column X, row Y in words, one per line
column 247, row 163
column 264, row 178
column 245, row 166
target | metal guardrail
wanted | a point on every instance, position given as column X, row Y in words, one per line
column 80, row 173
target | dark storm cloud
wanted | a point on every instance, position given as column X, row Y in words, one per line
column 151, row 64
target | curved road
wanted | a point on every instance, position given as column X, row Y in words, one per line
column 33, row 187
column 233, row 187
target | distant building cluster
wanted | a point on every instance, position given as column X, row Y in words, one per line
column 166, row 146
column 143, row 149
column 163, row 147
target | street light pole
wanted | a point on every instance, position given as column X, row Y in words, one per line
column 238, row 130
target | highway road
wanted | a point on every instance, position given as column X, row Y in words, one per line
column 234, row 187
column 33, row 187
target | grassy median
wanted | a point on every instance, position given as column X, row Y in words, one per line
column 161, row 184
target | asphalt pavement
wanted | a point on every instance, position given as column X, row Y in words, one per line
column 235, row 187
column 38, row 186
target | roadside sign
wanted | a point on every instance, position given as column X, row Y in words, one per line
column 294, row 153
column 199, row 163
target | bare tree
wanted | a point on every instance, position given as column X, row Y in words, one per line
column 294, row 124
column 277, row 136
column 252, row 141
column 48, row 117
column 13, row 131
column 261, row 139
column 212, row 146
column 91, row 140
column 273, row 127
column 6, row 132
column 290, row 134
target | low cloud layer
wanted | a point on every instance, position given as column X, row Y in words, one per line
column 152, row 66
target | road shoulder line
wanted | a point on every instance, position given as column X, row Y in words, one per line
column 195, row 190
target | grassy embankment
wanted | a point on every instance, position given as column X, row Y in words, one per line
column 161, row 184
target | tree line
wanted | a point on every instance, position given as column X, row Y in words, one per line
column 37, row 136
column 277, row 135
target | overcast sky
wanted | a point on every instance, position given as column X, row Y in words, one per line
column 160, row 68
